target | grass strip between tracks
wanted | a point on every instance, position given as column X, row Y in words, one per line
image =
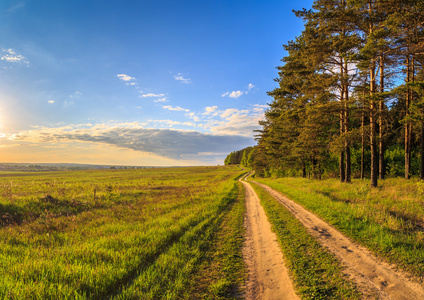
column 315, row 271
column 388, row 220
column 223, row 274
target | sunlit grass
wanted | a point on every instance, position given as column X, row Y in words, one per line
column 103, row 234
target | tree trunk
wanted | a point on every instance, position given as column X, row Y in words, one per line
column 381, row 165
column 422, row 152
column 346, row 123
column 342, row 128
column 373, row 131
column 408, row 124
column 304, row 171
column 363, row 139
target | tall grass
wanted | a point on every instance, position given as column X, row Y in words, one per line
column 109, row 234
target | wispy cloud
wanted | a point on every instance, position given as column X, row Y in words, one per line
column 77, row 94
column 233, row 94
column 125, row 77
column 11, row 56
column 176, row 108
column 152, row 95
column 233, row 121
column 193, row 117
column 259, row 108
column 161, row 100
column 211, row 110
column 237, row 94
column 181, row 77
column 16, row 7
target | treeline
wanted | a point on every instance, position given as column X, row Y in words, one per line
column 350, row 95
column 242, row 157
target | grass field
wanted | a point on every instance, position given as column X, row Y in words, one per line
column 177, row 233
column 121, row 234
column 389, row 219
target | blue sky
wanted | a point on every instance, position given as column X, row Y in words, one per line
column 148, row 82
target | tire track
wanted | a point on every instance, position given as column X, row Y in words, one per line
column 268, row 276
column 375, row 278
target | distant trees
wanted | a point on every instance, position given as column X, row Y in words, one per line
column 350, row 89
column 243, row 157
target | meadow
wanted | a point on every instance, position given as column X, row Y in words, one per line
column 122, row 234
column 389, row 219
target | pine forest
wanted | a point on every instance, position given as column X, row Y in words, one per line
column 350, row 95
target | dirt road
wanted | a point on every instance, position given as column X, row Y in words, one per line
column 375, row 278
column 268, row 277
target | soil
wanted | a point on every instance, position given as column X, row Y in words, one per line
column 268, row 276
column 375, row 278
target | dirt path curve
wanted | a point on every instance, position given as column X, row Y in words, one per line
column 376, row 279
column 268, row 277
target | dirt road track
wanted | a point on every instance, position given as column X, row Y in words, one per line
column 376, row 279
column 268, row 277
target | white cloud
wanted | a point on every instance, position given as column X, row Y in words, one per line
column 11, row 56
column 211, row 110
column 176, row 108
column 233, row 94
column 152, row 95
column 259, row 108
column 182, row 78
column 193, row 117
column 161, row 100
column 51, row 102
column 125, row 77
column 237, row 122
column 228, row 112
column 237, row 94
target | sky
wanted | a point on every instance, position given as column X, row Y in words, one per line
column 137, row 82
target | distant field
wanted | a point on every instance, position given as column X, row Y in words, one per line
column 121, row 234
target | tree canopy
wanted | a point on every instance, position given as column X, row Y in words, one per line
column 350, row 94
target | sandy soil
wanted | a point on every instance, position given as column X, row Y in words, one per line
column 268, row 277
column 375, row 278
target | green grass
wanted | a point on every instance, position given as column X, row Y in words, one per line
column 388, row 219
column 118, row 234
column 224, row 267
column 315, row 271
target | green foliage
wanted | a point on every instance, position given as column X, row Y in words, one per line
column 239, row 157
column 337, row 91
